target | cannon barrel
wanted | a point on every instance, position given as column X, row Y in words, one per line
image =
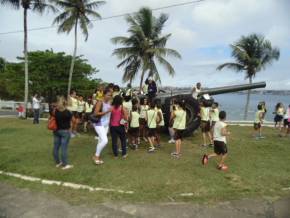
column 235, row 88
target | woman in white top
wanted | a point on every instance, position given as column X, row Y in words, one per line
column 88, row 110
column 36, row 107
column 142, row 121
column 102, row 110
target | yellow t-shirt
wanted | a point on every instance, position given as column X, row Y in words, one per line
column 143, row 111
column 257, row 116
column 99, row 96
column 214, row 115
column 180, row 119
column 134, row 119
column 162, row 121
column 151, row 118
column 81, row 106
column 89, row 107
column 204, row 113
column 73, row 106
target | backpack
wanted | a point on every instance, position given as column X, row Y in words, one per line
column 52, row 125
column 93, row 117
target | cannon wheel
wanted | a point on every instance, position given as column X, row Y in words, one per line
column 192, row 109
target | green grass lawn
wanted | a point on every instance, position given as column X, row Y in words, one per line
column 256, row 168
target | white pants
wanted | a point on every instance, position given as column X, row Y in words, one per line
column 102, row 132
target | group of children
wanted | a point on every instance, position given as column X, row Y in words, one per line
column 281, row 119
column 145, row 120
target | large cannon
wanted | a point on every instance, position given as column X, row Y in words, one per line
column 192, row 105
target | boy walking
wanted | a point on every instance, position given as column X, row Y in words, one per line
column 220, row 142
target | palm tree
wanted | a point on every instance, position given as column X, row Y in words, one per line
column 144, row 46
column 76, row 12
column 252, row 54
column 36, row 6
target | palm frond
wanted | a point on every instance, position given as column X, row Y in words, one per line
column 120, row 40
column 67, row 25
column 15, row 4
column 61, row 17
column 234, row 66
column 164, row 52
column 125, row 52
column 95, row 5
column 166, row 65
column 159, row 24
column 40, row 6
column 84, row 22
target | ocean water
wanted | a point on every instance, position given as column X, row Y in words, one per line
column 234, row 104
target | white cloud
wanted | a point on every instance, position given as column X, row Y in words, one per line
column 182, row 37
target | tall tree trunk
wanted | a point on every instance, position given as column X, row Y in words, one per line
column 248, row 100
column 141, row 81
column 25, row 63
column 72, row 60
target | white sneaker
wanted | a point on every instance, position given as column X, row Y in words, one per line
column 72, row 135
column 97, row 137
column 66, row 167
column 151, row 149
column 99, row 162
column 171, row 141
column 58, row 165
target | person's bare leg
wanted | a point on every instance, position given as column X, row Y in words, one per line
column 179, row 146
column 85, row 126
column 210, row 138
column 151, row 141
column 223, row 157
column 204, row 138
column 176, row 146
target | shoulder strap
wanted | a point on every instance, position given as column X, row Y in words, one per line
column 151, row 118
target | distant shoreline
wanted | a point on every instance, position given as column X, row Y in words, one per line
column 260, row 92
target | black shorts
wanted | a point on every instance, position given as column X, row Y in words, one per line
column 142, row 121
column 286, row 123
column 205, row 126
column 80, row 115
column 178, row 134
column 87, row 117
column 159, row 129
column 151, row 132
column 220, row 148
column 212, row 124
column 134, row 132
column 75, row 114
column 257, row 126
column 278, row 118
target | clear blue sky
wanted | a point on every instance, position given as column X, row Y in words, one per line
column 200, row 32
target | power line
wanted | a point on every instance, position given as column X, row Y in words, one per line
column 106, row 18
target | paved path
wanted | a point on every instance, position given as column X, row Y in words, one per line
column 16, row 202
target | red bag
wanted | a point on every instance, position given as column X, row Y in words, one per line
column 51, row 125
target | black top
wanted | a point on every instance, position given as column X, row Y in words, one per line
column 63, row 119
